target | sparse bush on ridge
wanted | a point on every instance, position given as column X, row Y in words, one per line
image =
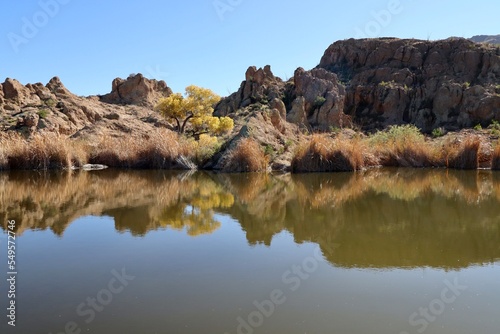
column 247, row 156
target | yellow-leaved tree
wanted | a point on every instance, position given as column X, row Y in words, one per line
column 196, row 110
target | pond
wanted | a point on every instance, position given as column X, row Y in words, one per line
column 384, row 251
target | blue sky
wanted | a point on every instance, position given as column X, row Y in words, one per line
column 209, row 43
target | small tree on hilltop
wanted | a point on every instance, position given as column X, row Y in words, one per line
column 195, row 109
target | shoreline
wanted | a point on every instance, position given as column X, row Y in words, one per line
column 341, row 150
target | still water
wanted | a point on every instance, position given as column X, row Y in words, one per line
column 379, row 252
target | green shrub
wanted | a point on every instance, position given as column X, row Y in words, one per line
column 494, row 128
column 43, row 113
column 269, row 150
column 438, row 132
column 478, row 127
column 320, row 100
column 398, row 133
column 50, row 103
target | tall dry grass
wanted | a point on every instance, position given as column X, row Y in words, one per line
column 40, row 151
column 464, row 154
column 495, row 159
column 404, row 146
column 162, row 149
column 247, row 156
column 323, row 153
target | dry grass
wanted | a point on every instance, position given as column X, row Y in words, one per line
column 323, row 153
column 404, row 146
column 162, row 149
column 247, row 156
column 495, row 160
column 41, row 151
column 464, row 154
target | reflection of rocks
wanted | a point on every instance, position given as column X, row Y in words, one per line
column 380, row 218
column 42, row 201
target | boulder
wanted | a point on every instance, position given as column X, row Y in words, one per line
column 13, row 89
column 56, row 87
column 138, row 90
column 323, row 97
column 41, row 91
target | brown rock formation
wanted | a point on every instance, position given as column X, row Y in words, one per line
column 137, row 90
column 53, row 107
column 260, row 86
column 374, row 83
column 447, row 83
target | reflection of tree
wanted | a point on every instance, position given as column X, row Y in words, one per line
column 136, row 200
column 196, row 215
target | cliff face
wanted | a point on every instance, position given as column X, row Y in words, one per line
column 373, row 83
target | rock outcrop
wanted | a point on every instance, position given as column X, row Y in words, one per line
column 260, row 86
column 373, row 83
column 138, row 90
column 449, row 83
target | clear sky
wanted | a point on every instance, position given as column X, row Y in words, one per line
column 210, row 43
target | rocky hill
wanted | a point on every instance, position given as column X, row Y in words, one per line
column 36, row 107
column 491, row 39
column 374, row 83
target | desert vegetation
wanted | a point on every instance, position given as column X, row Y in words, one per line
column 193, row 114
column 397, row 146
column 246, row 156
column 339, row 151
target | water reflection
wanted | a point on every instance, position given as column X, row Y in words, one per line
column 378, row 219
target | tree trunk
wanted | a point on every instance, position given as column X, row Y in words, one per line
column 185, row 123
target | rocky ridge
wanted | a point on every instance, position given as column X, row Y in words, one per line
column 491, row 39
column 52, row 107
column 374, row 83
